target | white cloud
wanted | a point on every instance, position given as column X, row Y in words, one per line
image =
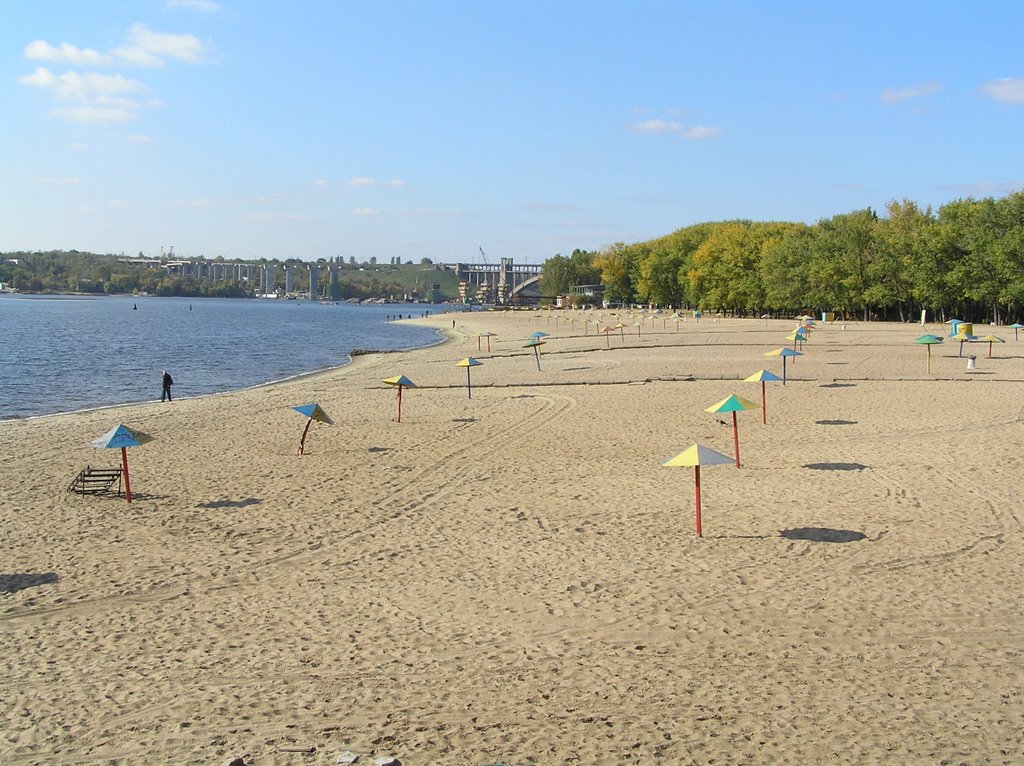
column 149, row 49
column 138, row 138
column 690, row 133
column 203, row 6
column 361, row 181
column 1007, row 90
column 898, row 95
column 66, row 54
column 365, row 212
column 396, row 183
column 320, row 182
column 108, row 98
column 77, row 147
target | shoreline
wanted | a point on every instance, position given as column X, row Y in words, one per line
column 514, row 576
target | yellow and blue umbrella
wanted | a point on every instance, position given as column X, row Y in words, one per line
column 313, row 411
column 469, row 362
column 121, row 437
column 695, row 457
column 733, row 404
column 963, row 337
column 400, row 382
column 784, row 353
column 762, row 376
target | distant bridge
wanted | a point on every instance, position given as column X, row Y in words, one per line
column 503, row 283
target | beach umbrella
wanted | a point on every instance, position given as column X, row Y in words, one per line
column 784, row 353
column 1016, row 329
column 622, row 332
column 695, row 457
column 928, row 341
column 733, row 404
column 485, row 334
column 400, row 381
column 313, row 412
column 762, row 376
column 990, row 339
column 797, row 336
column 607, row 330
column 122, row 437
column 538, row 334
column 469, row 362
column 535, row 344
column 963, row 337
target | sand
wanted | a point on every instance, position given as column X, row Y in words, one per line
column 515, row 577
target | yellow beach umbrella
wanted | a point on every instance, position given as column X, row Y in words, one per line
column 400, row 382
column 469, row 362
column 990, row 339
column 695, row 457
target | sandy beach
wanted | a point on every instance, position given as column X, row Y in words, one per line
column 514, row 577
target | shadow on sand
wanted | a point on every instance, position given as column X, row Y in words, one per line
column 835, row 466
column 12, row 583
column 230, row 503
column 823, row 535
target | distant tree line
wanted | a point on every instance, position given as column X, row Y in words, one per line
column 72, row 271
column 967, row 259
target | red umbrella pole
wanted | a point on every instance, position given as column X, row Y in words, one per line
column 736, row 439
column 488, row 344
column 990, row 349
column 124, row 470
column 764, row 405
column 696, row 495
column 302, row 441
column 478, row 343
column 399, row 419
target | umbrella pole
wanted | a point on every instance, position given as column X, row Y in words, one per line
column 696, row 496
column 124, row 470
column 478, row 342
column 783, row 370
column 536, row 353
column 399, row 419
column 488, row 344
column 990, row 349
column 929, row 348
column 736, row 439
column 764, row 406
column 302, row 441
column 469, row 385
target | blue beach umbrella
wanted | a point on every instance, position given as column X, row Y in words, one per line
column 121, row 437
column 928, row 341
column 313, row 412
column 1016, row 329
column 535, row 344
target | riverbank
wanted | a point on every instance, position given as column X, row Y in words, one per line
column 514, row 577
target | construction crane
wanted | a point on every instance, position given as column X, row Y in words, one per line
column 483, row 255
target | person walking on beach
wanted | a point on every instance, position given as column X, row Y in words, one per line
column 168, row 381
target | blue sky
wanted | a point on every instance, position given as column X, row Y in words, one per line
column 314, row 129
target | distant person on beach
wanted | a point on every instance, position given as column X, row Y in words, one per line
column 168, row 381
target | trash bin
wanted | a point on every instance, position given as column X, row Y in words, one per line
column 970, row 362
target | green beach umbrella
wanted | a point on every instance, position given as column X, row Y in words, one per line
column 784, row 353
column 399, row 381
column 928, row 341
column 761, row 376
column 733, row 404
column 122, row 437
column 535, row 344
column 695, row 457
column 313, row 412
column 1016, row 329
column 469, row 362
